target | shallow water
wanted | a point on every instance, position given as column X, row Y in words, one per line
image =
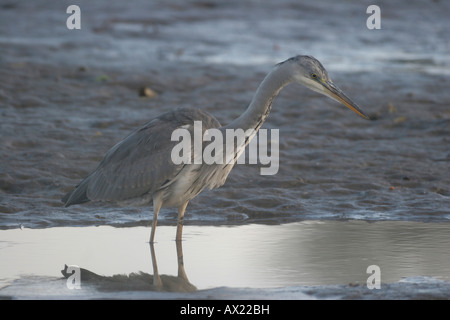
column 66, row 97
column 301, row 255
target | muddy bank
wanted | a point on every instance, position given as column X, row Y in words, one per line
column 68, row 96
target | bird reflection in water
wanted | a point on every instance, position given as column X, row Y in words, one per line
column 139, row 281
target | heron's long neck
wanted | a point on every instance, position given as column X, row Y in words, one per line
column 260, row 106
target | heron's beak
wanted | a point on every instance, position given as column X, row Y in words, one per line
column 336, row 94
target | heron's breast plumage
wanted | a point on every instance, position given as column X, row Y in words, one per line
column 192, row 180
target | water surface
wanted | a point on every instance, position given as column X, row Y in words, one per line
column 294, row 256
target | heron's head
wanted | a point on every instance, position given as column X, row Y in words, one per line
column 309, row 72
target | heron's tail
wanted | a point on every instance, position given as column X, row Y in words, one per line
column 76, row 196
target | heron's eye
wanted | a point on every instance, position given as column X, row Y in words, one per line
column 313, row 75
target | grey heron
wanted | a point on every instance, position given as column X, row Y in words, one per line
column 139, row 168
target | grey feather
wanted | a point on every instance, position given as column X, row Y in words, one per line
column 139, row 164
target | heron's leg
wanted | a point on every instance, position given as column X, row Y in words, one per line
column 157, row 203
column 181, row 210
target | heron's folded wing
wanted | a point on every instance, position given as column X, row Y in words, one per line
column 137, row 165
column 141, row 163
